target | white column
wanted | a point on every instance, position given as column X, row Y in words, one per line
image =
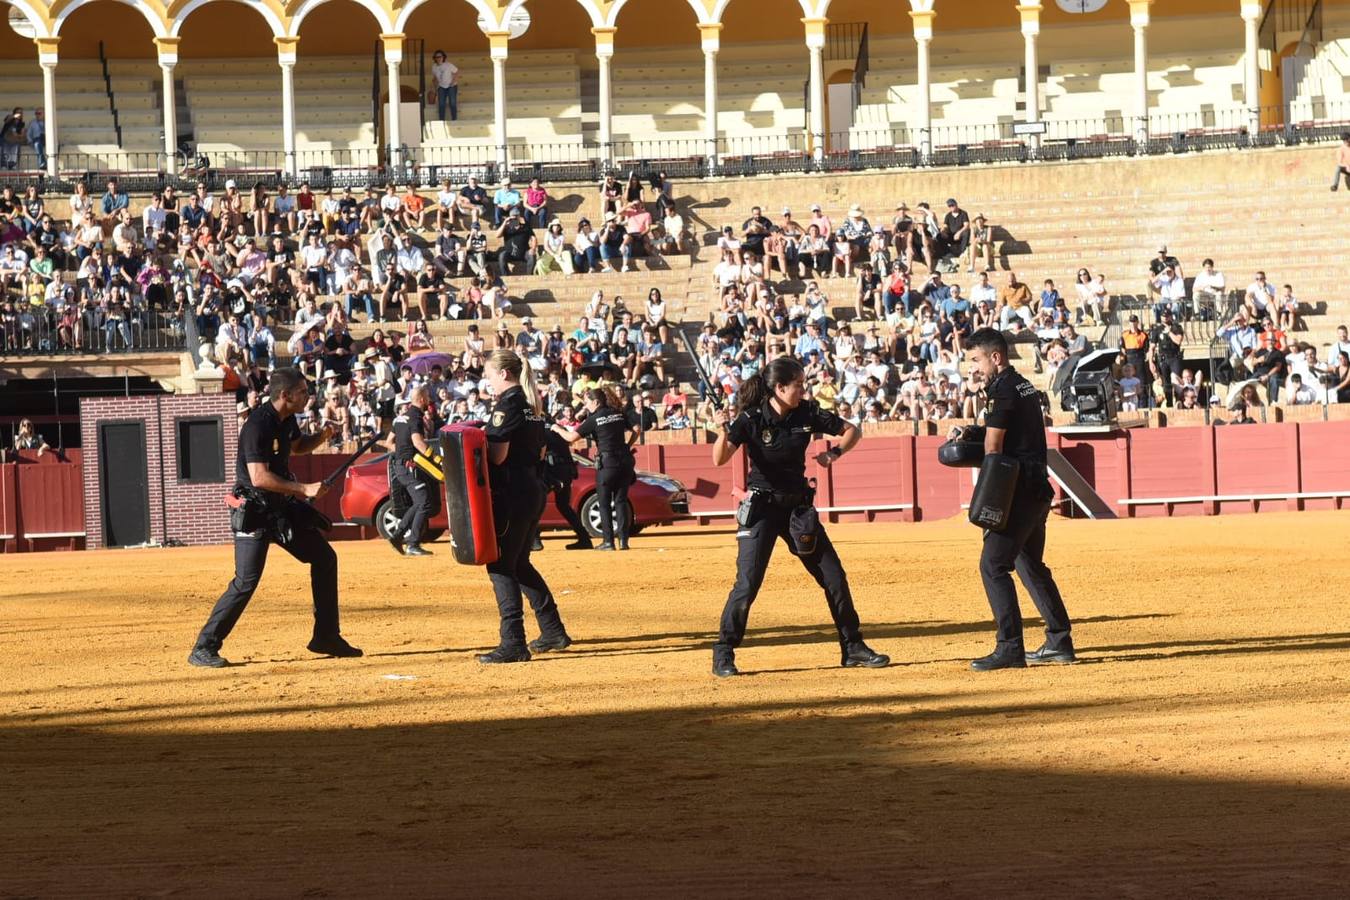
column 1031, row 28
column 499, row 108
column 1251, row 94
column 925, row 98
column 49, row 110
column 816, row 45
column 393, row 58
column 288, row 115
column 170, row 115
column 286, row 47
column 710, row 106
column 606, row 124
column 1139, row 17
column 168, row 58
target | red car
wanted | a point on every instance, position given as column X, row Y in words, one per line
column 653, row 500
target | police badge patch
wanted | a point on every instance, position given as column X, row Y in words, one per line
column 497, row 419
column 766, row 436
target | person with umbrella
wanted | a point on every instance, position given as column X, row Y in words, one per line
column 614, row 434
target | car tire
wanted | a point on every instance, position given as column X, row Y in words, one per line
column 386, row 518
column 590, row 516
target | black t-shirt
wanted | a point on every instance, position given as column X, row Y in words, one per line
column 1014, row 405
column 475, row 195
column 1156, row 265
column 608, row 427
column 955, row 221
column 515, row 421
column 754, row 240
column 266, row 438
column 777, row 446
column 558, row 461
column 284, row 256
column 516, row 238
column 406, row 424
column 1170, row 340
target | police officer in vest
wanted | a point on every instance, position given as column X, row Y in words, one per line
column 614, row 435
column 560, row 470
column 775, row 427
column 269, row 515
column 410, row 440
column 1015, row 427
column 515, row 436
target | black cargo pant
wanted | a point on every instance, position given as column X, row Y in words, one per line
column 422, row 502
column 250, row 556
column 755, row 547
column 562, row 499
column 516, row 506
column 611, row 497
column 1021, row 546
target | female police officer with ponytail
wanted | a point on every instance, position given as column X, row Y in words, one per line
column 775, row 427
column 608, row 425
column 515, row 436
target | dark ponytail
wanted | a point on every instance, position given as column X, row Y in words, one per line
column 758, row 388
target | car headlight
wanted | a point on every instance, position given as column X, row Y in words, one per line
column 669, row 485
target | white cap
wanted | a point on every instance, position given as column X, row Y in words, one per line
column 815, row 207
column 230, row 183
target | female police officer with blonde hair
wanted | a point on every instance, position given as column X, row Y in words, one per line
column 775, row 427
column 515, row 436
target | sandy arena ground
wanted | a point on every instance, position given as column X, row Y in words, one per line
column 1201, row 747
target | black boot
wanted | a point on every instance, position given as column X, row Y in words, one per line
column 1046, row 656
column 333, row 646
column 724, row 661
column 860, row 654
column 544, row 644
column 504, row 655
column 581, row 544
column 415, row 550
column 607, row 545
column 1005, row 657
column 536, row 546
column 396, row 541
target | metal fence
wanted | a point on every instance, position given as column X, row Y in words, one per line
column 89, row 329
column 897, row 147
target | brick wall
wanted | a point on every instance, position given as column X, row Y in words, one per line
column 191, row 513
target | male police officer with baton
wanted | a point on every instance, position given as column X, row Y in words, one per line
column 1015, row 434
column 272, row 511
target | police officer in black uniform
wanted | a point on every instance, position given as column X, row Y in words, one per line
column 614, row 435
column 775, row 427
column 269, row 514
column 1014, row 426
column 410, row 429
column 1168, row 340
column 560, row 470
column 515, row 436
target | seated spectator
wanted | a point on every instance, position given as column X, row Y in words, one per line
column 536, row 204
column 472, row 203
column 1170, row 290
column 672, row 236
column 1157, row 265
column 1014, row 304
column 981, row 245
column 518, row 242
column 412, row 210
column 1288, row 309
column 1259, row 299
column 637, row 223
column 1208, row 291
column 505, row 202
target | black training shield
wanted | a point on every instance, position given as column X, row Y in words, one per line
column 991, row 503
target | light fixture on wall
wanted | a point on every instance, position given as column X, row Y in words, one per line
column 516, row 25
column 1081, row 6
column 19, row 23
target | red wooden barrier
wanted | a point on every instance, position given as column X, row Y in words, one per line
column 1141, row 472
column 9, row 520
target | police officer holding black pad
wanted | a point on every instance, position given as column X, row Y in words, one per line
column 1014, row 433
column 271, row 510
column 410, row 440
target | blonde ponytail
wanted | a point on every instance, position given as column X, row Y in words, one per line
column 509, row 361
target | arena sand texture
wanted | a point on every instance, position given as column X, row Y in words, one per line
column 1201, row 747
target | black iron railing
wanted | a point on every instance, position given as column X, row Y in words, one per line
column 108, row 88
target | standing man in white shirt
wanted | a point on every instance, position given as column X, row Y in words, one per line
column 1208, row 290
column 446, row 74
